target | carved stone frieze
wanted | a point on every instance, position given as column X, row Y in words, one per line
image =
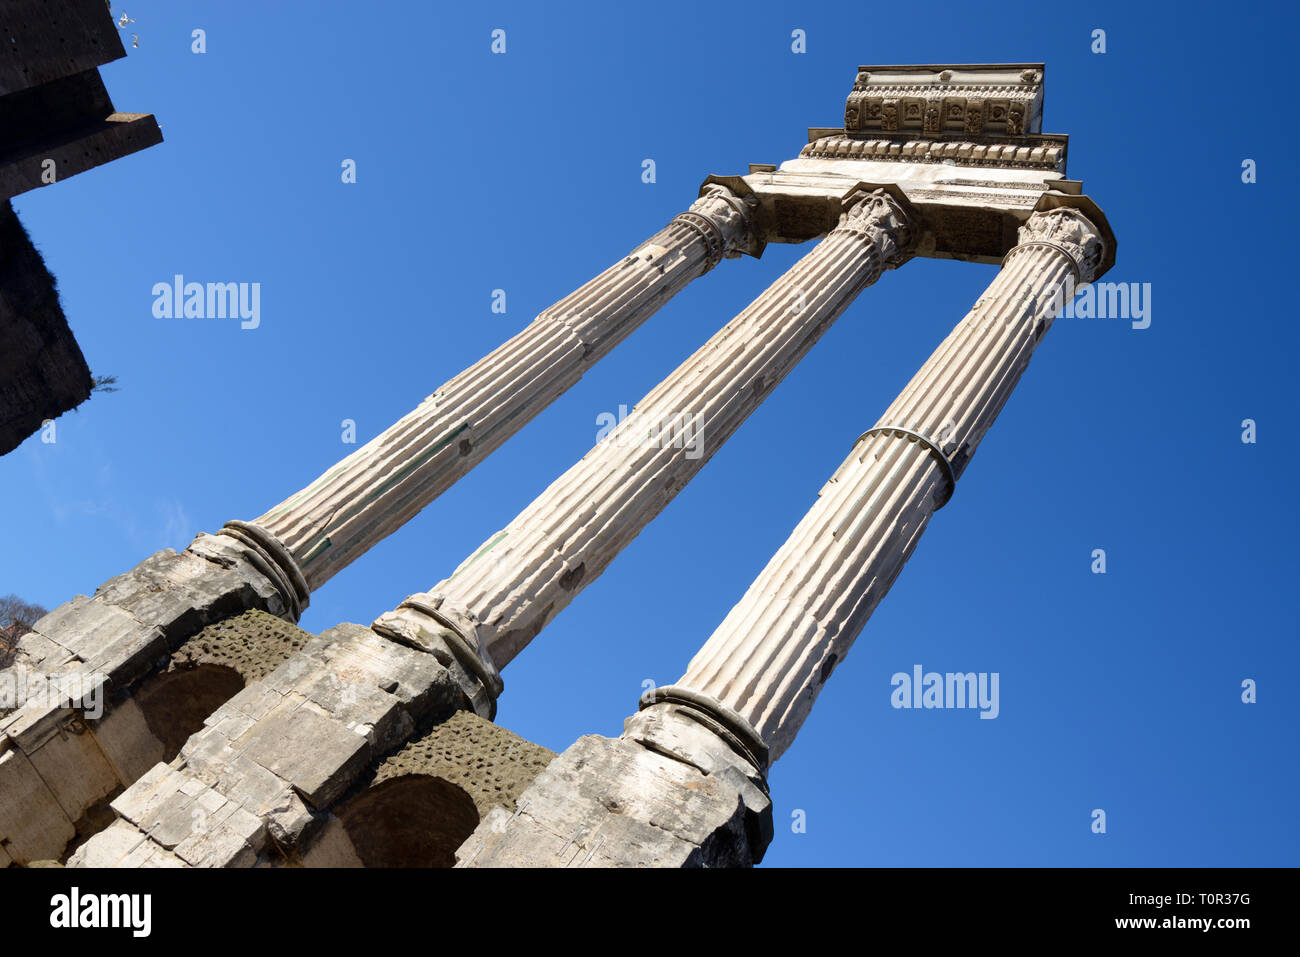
column 999, row 99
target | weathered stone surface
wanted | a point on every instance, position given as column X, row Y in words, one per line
column 209, row 757
column 33, row 826
column 75, row 769
column 128, row 744
column 114, row 847
column 453, row 640
column 614, row 803
column 287, row 746
column 38, row 653
column 137, row 618
column 668, row 793
column 178, row 813
column 123, row 845
column 415, row 806
column 201, row 675
column 79, row 630
column 253, row 643
column 109, row 642
column 229, row 553
column 52, row 710
column 304, row 745
column 492, row 764
column 964, row 144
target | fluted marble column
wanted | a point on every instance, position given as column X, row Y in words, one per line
column 507, row 591
column 768, row 660
column 382, row 485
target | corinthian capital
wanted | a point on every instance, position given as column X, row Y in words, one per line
column 1069, row 231
column 883, row 220
column 726, row 221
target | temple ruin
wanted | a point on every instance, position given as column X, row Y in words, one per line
column 192, row 723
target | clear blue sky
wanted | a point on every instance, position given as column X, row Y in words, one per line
column 522, row 172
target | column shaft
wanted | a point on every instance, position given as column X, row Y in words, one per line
column 525, row 574
column 769, row 658
column 386, row 482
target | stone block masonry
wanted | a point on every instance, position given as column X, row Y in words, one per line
column 306, row 767
column 672, row 791
column 64, row 756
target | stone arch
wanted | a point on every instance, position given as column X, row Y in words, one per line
column 175, row 703
column 413, row 820
column 209, row 669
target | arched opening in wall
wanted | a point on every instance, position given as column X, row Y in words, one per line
column 415, row 820
column 176, row 702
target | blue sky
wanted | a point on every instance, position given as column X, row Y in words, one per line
column 522, row 171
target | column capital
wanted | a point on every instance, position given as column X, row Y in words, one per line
column 1073, row 234
column 885, row 218
column 726, row 220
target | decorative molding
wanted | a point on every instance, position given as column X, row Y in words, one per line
column 1000, row 98
column 738, row 733
column 990, row 184
column 1068, row 231
column 270, row 556
column 1048, row 155
column 983, row 199
column 724, row 220
column 884, row 222
column 425, row 622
